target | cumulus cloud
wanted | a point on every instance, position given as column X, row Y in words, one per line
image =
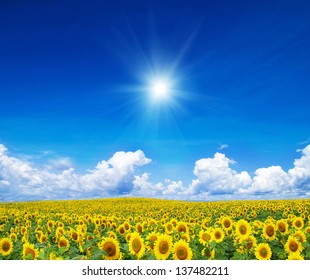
column 215, row 178
column 20, row 179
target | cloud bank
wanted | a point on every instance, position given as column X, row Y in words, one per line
column 214, row 179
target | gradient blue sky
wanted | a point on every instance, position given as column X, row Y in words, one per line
column 74, row 78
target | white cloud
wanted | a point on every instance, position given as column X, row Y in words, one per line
column 215, row 176
column 144, row 188
column 215, row 179
column 268, row 180
column 60, row 164
column 223, row 146
column 300, row 174
column 19, row 179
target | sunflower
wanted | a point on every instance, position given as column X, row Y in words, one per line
column 112, row 234
column 263, row 252
column 205, row 223
column 227, row 223
column 218, row 235
column 50, row 224
column 185, row 237
column 182, row 251
column 292, row 245
column 6, row 246
column 163, row 246
column 205, row 236
column 182, row 227
column 208, row 253
column 282, row 226
column 243, row 229
column 111, row 248
column 169, row 228
column 126, row 226
column 300, row 236
column 295, row 256
column 121, row 230
column 298, row 223
column 60, row 232
column 136, row 245
column 29, row 252
column 13, row 236
column 43, row 238
column 64, row 243
column 139, row 227
column 74, row 236
column 269, row 231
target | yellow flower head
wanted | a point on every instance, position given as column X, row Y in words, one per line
column 298, row 223
column 29, row 252
column 205, row 236
column 136, row 245
column 263, row 252
column 269, row 231
column 227, row 223
column 169, row 228
column 111, row 248
column 64, row 243
column 243, row 229
column 292, row 245
column 295, row 256
column 218, row 235
column 282, row 226
column 6, row 246
column 182, row 251
column 163, row 247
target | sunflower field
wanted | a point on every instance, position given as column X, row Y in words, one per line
column 134, row 228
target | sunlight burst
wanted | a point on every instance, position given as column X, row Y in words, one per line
column 160, row 89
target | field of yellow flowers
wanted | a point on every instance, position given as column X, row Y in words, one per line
column 133, row 228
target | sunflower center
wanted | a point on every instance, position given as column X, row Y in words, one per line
column 136, row 245
column 226, row 223
column 63, row 243
column 217, row 235
column 6, row 247
column 110, row 249
column 182, row 228
column 181, row 253
column 293, row 246
column 281, row 227
column 298, row 224
column 243, row 229
column 270, row 231
column 163, row 247
column 74, row 236
column 169, row 227
column 206, row 236
column 263, row 252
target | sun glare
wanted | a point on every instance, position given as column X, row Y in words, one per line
column 160, row 89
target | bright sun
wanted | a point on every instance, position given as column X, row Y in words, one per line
column 160, row 89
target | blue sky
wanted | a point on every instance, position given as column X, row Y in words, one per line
column 75, row 91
